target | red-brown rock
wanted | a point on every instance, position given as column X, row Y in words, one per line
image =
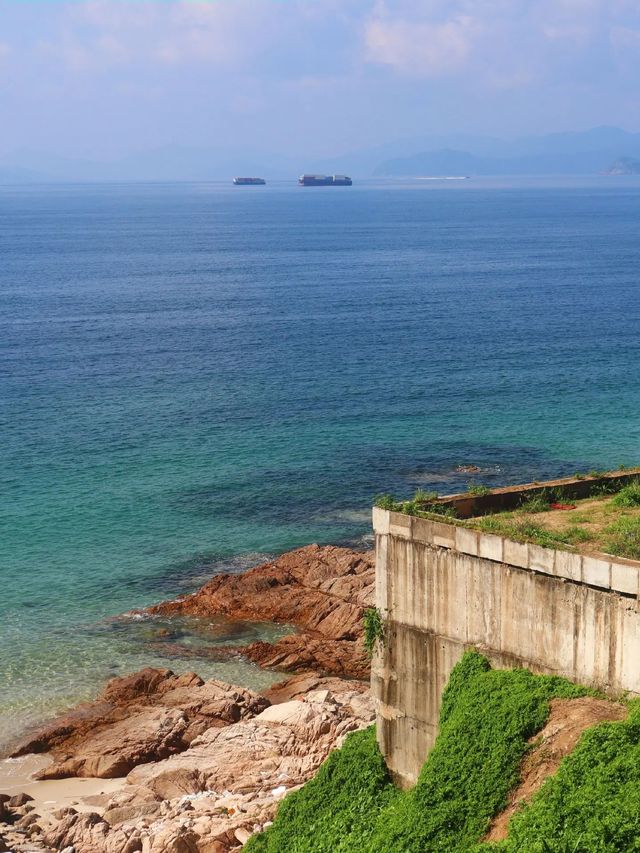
column 323, row 591
column 143, row 717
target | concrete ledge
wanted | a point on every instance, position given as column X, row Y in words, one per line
column 516, row 553
column 624, row 578
column 380, row 520
column 444, row 535
column 596, row 572
column 400, row 525
column 491, row 547
column 569, row 566
column 541, row 559
column 422, row 530
column 467, row 541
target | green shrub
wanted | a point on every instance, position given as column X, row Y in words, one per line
column 629, row 496
column 536, row 503
column 385, row 502
column 373, row 629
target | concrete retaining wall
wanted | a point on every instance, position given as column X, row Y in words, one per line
column 444, row 588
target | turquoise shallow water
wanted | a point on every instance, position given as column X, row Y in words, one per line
column 196, row 376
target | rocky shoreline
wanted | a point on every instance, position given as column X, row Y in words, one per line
column 195, row 766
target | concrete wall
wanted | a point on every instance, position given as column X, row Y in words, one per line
column 444, row 588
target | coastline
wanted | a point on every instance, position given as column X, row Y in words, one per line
column 152, row 725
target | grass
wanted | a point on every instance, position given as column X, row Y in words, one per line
column 624, row 537
column 351, row 806
column 422, row 496
column 477, row 489
column 604, row 523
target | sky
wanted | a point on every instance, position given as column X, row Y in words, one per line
column 105, row 78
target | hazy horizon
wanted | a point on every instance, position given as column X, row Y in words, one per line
column 108, row 79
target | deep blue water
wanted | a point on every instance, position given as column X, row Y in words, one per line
column 198, row 375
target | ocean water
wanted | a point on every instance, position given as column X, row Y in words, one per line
column 193, row 377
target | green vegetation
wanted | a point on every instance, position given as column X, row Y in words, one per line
column 487, row 718
column 422, row 505
column 525, row 530
column 612, row 523
column 536, row 503
column 336, row 811
column 592, row 804
column 422, row 496
column 624, row 537
column 629, row 496
column 611, row 514
column 373, row 629
column 477, row 489
column 385, row 502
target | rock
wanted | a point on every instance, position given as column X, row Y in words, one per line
column 4, row 847
column 27, row 820
column 18, row 801
column 323, row 591
column 144, row 717
column 318, row 696
column 127, row 813
column 60, row 813
column 5, row 815
column 228, row 783
column 243, row 835
column 302, row 685
column 284, row 743
column 207, row 764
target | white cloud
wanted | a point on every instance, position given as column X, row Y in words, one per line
column 498, row 43
column 427, row 48
column 102, row 34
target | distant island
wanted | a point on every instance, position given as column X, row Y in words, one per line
column 624, row 166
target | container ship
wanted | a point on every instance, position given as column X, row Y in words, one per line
column 249, row 182
column 324, row 181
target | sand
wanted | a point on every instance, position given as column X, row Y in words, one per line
column 52, row 794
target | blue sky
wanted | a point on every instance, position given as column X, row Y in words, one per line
column 107, row 77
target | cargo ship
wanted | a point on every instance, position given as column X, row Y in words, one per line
column 249, row 182
column 324, row 181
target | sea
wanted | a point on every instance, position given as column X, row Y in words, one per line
column 196, row 377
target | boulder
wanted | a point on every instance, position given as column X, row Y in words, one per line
column 323, row 591
column 143, row 717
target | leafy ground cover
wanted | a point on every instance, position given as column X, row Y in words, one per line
column 487, row 719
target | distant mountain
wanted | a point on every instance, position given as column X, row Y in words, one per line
column 586, row 152
column 624, row 166
column 589, row 152
column 170, row 163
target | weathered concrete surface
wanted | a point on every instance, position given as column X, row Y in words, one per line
column 444, row 588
